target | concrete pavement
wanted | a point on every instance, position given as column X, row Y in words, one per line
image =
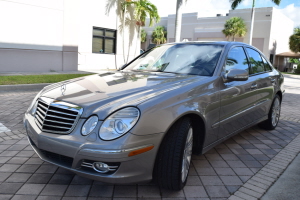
column 287, row 186
column 242, row 167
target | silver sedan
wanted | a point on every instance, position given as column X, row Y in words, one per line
column 144, row 121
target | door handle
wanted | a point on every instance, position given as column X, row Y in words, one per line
column 253, row 86
column 273, row 80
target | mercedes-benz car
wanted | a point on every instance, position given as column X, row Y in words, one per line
column 144, row 121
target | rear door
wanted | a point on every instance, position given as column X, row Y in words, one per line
column 237, row 97
column 266, row 81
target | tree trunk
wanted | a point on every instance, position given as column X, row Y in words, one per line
column 252, row 22
column 123, row 30
column 178, row 20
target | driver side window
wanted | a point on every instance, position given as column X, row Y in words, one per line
column 236, row 59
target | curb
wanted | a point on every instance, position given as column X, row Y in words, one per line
column 22, row 87
column 259, row 184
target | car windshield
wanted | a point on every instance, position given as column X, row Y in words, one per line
column 196, row 59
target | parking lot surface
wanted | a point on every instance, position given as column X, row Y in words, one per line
column 218, row 174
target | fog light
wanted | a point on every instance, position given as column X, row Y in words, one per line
column 100, row 167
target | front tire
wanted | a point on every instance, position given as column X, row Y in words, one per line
column 273, row 116
column 174, row 156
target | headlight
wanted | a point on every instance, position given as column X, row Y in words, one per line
column 89, row 125
column 33, row 104
column 119, row 123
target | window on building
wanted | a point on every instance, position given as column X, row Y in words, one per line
column 236, row 59
column 104, row 40
column 257, row 65
column 271, row 58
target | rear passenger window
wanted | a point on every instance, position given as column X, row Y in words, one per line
column 267, row 65
column 236, row 59
column 256, row 63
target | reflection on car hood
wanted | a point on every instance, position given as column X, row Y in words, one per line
column 110, row 91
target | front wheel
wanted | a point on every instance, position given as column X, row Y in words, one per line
column 273, row 116
column 174, row 156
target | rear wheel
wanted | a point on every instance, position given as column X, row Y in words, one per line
column 273, row 116
column 174, row 156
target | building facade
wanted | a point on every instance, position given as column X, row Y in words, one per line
column 270, row 34
column 63, row 35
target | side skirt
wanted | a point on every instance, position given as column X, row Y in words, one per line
column 207, row 148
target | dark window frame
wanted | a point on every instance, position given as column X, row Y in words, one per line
column 105, row 37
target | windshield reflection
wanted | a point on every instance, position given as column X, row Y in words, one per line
column 195, row 59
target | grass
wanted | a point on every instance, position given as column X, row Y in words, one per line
column 32, row 79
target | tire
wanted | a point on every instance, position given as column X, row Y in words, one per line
column 174, row 156
column 273, row 116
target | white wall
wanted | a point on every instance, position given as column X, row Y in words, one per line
column 31, row 24
column 38, row 35
column 46, row 35
column 92, row 13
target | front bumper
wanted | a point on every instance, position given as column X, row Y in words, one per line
column 69, row 151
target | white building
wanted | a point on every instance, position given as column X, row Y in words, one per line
column 62, row 35
column 270, row 34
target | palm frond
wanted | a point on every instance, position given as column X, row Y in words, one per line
column 235, row 26
column 277, row 2
column 235, row 3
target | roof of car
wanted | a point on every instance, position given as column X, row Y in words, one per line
column 210, row 42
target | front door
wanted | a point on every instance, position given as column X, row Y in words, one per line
column 237, row 97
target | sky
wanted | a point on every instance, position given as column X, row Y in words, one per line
column 209, row 8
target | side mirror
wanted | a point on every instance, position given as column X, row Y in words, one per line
column 237, row 75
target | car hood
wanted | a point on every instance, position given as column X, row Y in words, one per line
column 109, row 91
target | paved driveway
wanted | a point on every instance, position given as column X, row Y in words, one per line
column 215, row 175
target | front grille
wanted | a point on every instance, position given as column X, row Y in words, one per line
column 56, row 116
column 57, row 158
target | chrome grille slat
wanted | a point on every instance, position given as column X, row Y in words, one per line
column 56, row 117
column 59, row 117
column 61, row 113
column 40, row 110
column 54, row 126
column 41, row 105
column 39, row 119
column 58, row 122
column 39, row 125
column 39, row 115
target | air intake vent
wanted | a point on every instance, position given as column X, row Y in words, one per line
column 56, row 116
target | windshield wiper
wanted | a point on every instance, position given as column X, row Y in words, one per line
column 166, row 72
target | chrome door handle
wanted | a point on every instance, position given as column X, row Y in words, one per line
column 253, row 86
column 273, row 80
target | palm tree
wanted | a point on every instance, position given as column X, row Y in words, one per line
column 121, row 10
column 178, row 19
column 294, row 41
column 142, row 10
column 233, row 27
column 159, row 35
column 235, row 3
column 143, row 35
